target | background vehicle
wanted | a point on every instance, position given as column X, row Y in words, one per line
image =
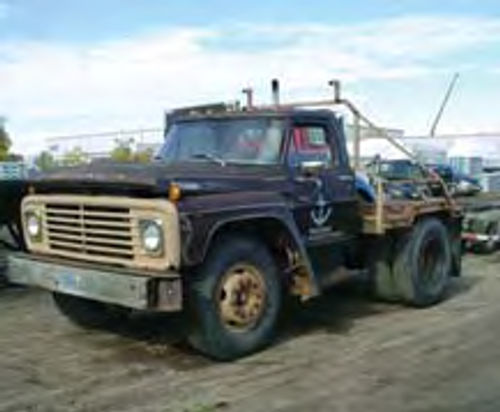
column 458, row 183
column 481, row 226
column 241, row 209
column 406, row 179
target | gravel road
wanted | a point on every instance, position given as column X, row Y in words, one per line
column 339, row 353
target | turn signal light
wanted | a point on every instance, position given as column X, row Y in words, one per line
column 174, row 192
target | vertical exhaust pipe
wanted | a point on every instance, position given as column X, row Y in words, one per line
column 335, row 84
column 248, row 92
column 275, row 88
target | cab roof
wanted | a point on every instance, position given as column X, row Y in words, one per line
column 185, row 115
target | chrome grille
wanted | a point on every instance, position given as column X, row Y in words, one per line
column 90, row 230
column 103, row 229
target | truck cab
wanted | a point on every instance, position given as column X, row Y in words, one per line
column 298, row 157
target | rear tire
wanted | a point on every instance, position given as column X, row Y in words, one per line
column 89, row 313
column 235, row 299
column 423, row 265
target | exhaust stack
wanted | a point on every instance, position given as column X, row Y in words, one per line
column 275, row 87
column 335, row 84
column 248, row 92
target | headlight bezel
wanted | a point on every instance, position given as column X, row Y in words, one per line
column 154, row 224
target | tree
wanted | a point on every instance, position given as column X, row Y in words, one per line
column 5, row 144
column 144, row 156
column 74, row 157
column 15, row 157
column 45, row 161
column 122, row 151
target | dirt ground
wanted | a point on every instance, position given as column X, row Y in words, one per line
column 339, row 353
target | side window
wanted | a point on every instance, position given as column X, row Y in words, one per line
column 310, row 143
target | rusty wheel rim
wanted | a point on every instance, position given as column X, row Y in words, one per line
column 242, row 297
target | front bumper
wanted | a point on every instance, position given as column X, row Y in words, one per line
column 136, row 290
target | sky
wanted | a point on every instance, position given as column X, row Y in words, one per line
column 88, row 66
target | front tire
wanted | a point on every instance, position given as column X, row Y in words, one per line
column 235, row 299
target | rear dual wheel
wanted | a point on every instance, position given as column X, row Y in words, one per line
column 418, row 269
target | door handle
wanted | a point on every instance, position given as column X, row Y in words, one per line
column 346, row 178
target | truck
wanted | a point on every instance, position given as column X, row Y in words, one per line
column 481, row 223
column 243, row 209
column 481, row 209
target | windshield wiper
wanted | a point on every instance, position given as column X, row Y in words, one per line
column 209, row 156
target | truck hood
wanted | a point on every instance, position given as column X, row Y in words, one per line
column 153, row 179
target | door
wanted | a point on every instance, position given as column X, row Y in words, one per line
column 325, row 197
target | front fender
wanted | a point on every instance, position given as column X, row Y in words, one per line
column 204, row 217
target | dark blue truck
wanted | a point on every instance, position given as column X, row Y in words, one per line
column 241, row 208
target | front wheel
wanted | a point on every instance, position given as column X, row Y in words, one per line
column 235, row 299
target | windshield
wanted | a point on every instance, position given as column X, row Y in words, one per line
column 249, row 141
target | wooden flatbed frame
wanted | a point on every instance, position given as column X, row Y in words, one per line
column 398, row 214
column 389, row 214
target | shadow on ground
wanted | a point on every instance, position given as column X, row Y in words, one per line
column 334, row 312
column 159, row 338
column 462, row 285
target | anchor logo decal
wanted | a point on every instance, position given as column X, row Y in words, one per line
column 321, row 212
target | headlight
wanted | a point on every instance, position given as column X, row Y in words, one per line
column 33, row 225
column 151, row 236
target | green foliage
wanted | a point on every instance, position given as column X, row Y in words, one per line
column 123, row 153
column 5, row 144
column 143, row 156
column 14, row 157
column 74, row 157
column 45, row 161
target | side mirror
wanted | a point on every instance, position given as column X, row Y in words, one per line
column 312, row 167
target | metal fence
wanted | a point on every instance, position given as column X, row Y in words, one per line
column 100, row 144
